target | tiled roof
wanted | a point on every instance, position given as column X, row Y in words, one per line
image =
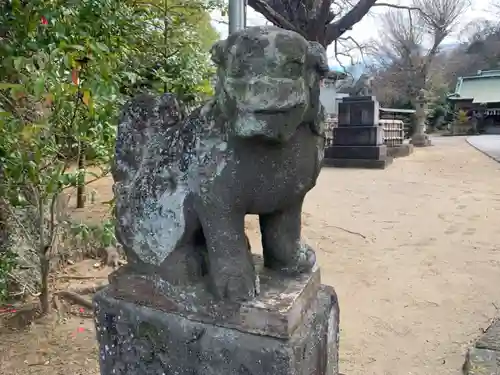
column 481, row 88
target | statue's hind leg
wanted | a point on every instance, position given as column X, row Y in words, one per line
column 281, row 242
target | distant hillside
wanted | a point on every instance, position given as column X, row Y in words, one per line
column 354, row 70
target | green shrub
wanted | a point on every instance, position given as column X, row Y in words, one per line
column 8, row 262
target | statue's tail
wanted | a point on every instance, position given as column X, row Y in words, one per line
column 145, row 127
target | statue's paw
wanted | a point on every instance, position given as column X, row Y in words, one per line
column 235, row 287
column 302, row 261
column 307, row 258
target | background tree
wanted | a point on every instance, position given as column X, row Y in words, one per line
column 66, row 69
column 409, row 45
column 324, row 21
column 172, row 55
column 479, row 50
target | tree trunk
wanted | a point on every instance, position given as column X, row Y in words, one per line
column 313, row 19
column 80, row 190
column 43, row 254
column 44, row 291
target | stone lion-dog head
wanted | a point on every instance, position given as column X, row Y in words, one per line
column 268, row 82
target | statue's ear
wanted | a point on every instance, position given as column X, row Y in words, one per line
column 218, row 53
column 316, row 58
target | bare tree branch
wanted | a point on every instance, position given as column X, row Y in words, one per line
column 410, row 43
column 272, row 15
column 336, row 29
column 396, row 6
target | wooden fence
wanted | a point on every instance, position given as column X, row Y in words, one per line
column 394, row 131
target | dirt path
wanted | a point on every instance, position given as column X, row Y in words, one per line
column 427, row 277
column 413, row 252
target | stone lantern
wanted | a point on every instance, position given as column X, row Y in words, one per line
column 419, row 138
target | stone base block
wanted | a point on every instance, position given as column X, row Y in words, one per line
column 358, row 163
column 358, row 136
column 277, row 311
column 356, row 152
column 400, row 151
column 420, row 140
column 482, row 362
column 484, row 357
column 140, row 340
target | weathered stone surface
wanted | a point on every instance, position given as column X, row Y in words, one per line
column 358, row 136
column 482, row 362
column 400, row 151
column 363, row 86
column 276, row 311
column 357, row 152
column 491, row 338
column 484, row 357
column 137, row 340
column 192, row 299
column 358, row 141
column 420, row 140
column 184, row 184
column 358, row 111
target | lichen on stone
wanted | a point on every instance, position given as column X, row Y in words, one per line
column 178, row 179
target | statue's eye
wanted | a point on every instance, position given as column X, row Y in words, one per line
column 293, row 68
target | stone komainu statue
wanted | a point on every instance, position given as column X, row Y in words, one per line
column 363, row 86
column 183, row 185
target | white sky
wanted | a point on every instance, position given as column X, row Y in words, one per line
column 364, row 30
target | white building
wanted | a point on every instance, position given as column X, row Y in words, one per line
column 329, row 95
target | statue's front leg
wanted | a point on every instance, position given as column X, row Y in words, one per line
column 230, row 262
column 281, row 242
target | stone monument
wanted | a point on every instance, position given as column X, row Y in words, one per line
column 358, row 139
column 419, row 138
column 192, row 298
column 363, row 86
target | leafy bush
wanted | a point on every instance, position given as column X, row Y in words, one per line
column 66, row 67
column 8, row 263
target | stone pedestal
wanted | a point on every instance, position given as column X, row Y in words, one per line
column 484, row 357
column 400, row 151
column 358, row 140
column 420, row 140
column 145, row 327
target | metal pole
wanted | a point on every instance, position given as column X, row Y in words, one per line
column 236, row 15
column 244, row 13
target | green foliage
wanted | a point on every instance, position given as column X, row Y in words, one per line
column 67, row 67
column 103, row 234
column 436, row 116
column 173, row 55
column 8, row 262
column 461, row 124
column 461, row 117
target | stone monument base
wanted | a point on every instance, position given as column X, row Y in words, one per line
column 369, row 157
column 400, row 151
column 420, row 140
column 292, row 327
column 359, row 163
